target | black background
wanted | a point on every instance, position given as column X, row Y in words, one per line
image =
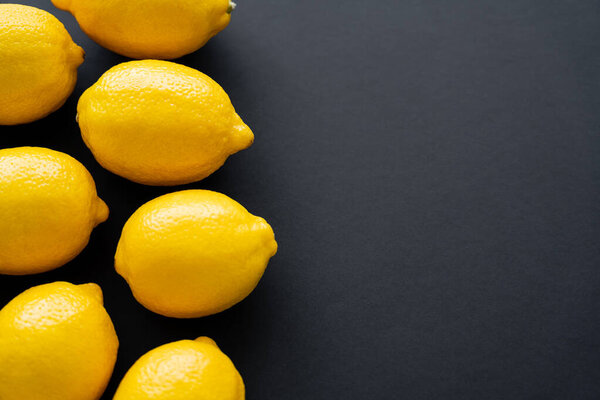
column 431, row 172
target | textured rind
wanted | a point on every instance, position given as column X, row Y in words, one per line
column 48, row 209
column 157, row 29
column 160, row 123
column 56, row 343
column 193, row 253
column 38, row 62
column 183, row 370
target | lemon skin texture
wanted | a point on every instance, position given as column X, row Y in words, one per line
column 183, row 370
column 56, row 343
column 159, row 29
column 48, row 208
column 160, row 123
column 193, row 253
column 38, row 64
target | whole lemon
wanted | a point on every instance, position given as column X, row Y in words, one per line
column 183, row 370
column 56, row 343
column 162, row 29
column 160, row 123
column 193, row 253
column 48, row 208
column 38, row 64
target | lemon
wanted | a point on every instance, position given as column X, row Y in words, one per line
column 183, row 370
column 48, row 208
column 56, row 343
column 160, row 123
column 193, row 253
column 161, row 29
column 38, row 64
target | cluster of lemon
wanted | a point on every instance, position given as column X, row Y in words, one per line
column 185, row 254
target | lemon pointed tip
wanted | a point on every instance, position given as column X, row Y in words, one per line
column 206, row 339
column 274, row 247
column 101, row 211
column 78, row 55
column 242, row 136
column 93, row 290
column 62, row 4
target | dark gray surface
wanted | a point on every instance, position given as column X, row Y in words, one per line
column 431, row 171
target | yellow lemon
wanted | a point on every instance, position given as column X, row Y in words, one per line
column 48, row 208
column 183, row 370
column 38, row 64
column 193, row 253
column 161, row 29
column 160, row 123
column 56, row 343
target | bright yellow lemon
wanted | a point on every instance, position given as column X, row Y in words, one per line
column 160, row 123
column 184, row 370
column 48, row 208
column 150, row 28
column 56, row 343
column 38, row 64
column 193, row 253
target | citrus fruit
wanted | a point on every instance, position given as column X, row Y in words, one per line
column 38, row 62
column 183, row 370
column 193, row 253
column 56, row 343
column 160, row 123
column 48, row 208
column 150, row 28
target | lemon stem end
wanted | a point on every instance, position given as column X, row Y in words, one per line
column 101, row 211
column 231, row 7
column 93, row 290
column 205, row 339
